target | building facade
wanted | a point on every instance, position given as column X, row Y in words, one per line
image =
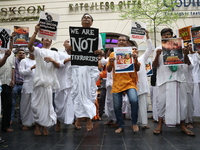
column 26, row 13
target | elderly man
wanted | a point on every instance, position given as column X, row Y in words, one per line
column 124, row 82
column 45, row 80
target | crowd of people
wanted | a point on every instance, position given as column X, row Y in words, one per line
column 52, row 91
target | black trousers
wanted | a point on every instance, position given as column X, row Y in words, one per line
column 6, row 102
column 102, row 101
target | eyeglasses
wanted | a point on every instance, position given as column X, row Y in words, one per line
column 166, row 34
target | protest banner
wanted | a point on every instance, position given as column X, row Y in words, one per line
column 22, row 36
column 148, row 67
column 4, row 39
column 48, row 25
column 124, row 60
column 138, row 31
column 172, row 51
column 195, row 32
column 84, row 42
column 185, row 34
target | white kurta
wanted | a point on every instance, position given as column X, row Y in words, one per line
column 172, row 98
column 84, row 88
column 64, row 107
column 27, row 90
column 143, row 86
column 45, row 80
column 195, row 60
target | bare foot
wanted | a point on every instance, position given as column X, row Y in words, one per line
column 37, row 129
column 189, row 126
column 109, row 122
column 24, row 128
column 188, row 132
column 9, row 130
column 89, row 124
column 119, row 130
column 45, row 131
column 57, row 127
column 77, row 123
column 145, row 127
column 135, row 128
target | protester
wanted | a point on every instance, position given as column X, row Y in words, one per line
column 124, row 82
column 172, row 97
column 45, row 80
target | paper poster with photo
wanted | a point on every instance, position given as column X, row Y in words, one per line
column 138, row 31
column 22, row 36
column 195, row 32
column 123, row 59
column 148, row 67
column 4, row 39
column 84, row 42
column 48, row 24
column 185, row 34
column 172, row 51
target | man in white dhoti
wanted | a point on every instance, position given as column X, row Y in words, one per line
column 64, row 106
column 84, row 85
column 143, row 87
column 195, row 60
column 172, row 97
column 45, row 80
column 27, row 70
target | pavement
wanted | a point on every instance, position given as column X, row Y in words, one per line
column 101, row 137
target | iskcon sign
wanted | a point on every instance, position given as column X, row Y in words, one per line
column 21, row 13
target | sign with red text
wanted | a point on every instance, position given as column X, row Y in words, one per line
column 138, row 31
column 4, row 39
column 48, row 25
column 123, row 59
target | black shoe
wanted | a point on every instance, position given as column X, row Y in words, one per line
column 1, row 140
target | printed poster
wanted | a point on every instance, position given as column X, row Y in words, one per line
column 124, row 60
column 84, row 42
column 172, row 51
column 148, row 67
column 4, row 39
column 48, row 24
column 138, row 31
column 185, row 34
column 195, row 32
column 22, row 36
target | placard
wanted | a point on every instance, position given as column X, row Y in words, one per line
column 138, row 31
column 22, row 36
column 195, row 32
column 4, row 39
column 84, row 42
column 172, row 51
column 148, row 67
column 48, row 25
column 124, row 60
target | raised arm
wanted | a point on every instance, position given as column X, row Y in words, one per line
column 32, row 39
column 155, row 63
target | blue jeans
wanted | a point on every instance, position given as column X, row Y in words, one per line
column 16, row 94
column 133, row 100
